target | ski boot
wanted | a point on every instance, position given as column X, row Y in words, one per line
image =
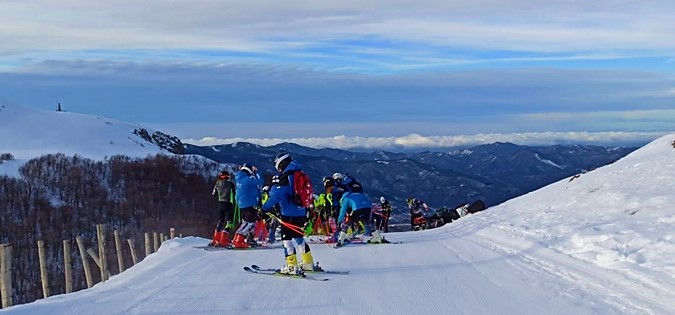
column 341, row 239
column 224, row 239
column 240, row 241
column 291, row 267
column 308, row 263
column 377, row 238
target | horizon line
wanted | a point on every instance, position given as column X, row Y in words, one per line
column 419, row 142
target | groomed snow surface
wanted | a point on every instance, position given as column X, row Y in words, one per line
column 601, row 243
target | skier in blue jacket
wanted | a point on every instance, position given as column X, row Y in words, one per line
column 293, row 216
column 248, row 183
column 356, row 208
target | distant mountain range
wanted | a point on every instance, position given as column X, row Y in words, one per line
column 493, row 173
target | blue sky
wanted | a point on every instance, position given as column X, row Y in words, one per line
column 330, row 74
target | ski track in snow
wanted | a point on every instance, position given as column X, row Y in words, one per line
column 592, row 279
column 646, row 297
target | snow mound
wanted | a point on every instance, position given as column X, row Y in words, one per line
column 28, row 133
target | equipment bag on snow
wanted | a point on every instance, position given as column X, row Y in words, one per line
column 476, row 206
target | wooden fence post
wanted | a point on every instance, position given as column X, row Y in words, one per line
column 43, row 269
column 97, row 260
column 148, row 248
column 155, row 239
column 6, row 275
column 134, row 258
column 103, row 263
column 85, row 262
column 68, row 267
column 172, row 233
column 118, row 248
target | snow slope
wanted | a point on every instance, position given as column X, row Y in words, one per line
column 599, row 244
column 27, row 133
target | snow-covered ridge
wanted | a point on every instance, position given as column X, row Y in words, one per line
column 619, row 216
column 27, row 133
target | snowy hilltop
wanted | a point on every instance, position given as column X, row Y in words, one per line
column 28, row 133
column 598, row 243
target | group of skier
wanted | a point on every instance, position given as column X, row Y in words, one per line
column 246, row 193
column 284, row 203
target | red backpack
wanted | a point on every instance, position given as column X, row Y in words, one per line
column 303, row 194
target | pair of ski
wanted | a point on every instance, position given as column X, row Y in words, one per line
column 255, row 269
column 331, row 241
column 230, row 247
column 352, row 242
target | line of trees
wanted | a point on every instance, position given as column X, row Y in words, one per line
column 60, row 197
column 6, row 157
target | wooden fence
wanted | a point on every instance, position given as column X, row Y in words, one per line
column 152, row 244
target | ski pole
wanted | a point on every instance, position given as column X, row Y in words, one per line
column 288, row 225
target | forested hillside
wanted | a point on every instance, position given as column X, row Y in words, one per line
column 59, row 197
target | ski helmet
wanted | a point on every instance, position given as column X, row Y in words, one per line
column 247, row 168
column 281, row 161
column 337, row 176
column 328, row 182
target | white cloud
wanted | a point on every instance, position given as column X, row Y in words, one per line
column 631, row 28
column 415, row 141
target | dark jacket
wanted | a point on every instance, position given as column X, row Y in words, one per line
column 282, row 194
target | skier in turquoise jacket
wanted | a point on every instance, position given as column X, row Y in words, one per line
column 355, row 208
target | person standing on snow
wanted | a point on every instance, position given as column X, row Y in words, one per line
column 248, row 197
column 357, row 206
column 386, row 213
column 417, row 209
column 293, row 216
column 336, row 190
column 322, row 206
column 333, row 208
column 271, row 222
column 225, row 189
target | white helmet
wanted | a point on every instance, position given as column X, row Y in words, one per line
column 337, row 176
column 382, row 200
